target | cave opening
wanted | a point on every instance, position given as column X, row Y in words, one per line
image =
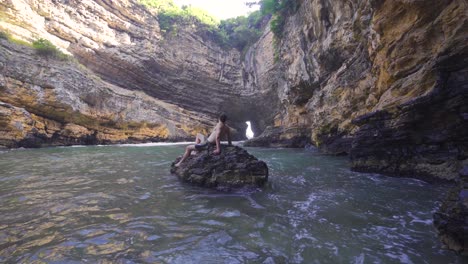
column 248, row 132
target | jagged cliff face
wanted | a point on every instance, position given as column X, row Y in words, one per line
column 384, row 81
column 50, row 102
column 137, row 83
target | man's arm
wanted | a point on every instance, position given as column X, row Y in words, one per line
column 218, row 143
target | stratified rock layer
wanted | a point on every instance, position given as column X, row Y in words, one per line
column 451, row 220
column 383, row 81
column 126, row 74
column 47, row 102
column 425, row 138
column 233, row 167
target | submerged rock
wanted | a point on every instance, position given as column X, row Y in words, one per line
column 451, row 220
column 233, row 167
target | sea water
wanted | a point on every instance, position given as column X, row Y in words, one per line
column 120, row 204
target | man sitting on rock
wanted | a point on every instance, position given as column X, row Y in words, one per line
column 219, row 131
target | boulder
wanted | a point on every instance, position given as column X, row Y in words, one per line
column 451, row 219
column 233, row 167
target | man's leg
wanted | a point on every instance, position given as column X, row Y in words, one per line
column 199, row 138
column 188, row 151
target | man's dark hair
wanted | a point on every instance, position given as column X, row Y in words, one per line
column 223, row 118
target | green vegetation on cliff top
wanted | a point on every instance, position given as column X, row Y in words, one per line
column 279, row 10
column 167, row 11
column 239, row 32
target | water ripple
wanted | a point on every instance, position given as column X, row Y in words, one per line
column 119, row 204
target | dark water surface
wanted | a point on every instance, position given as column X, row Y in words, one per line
column 119, row 204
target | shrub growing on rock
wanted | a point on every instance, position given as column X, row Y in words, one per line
column 4, row 35
column 279, row 9
column 45, row 48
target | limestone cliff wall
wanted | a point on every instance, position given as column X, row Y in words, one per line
column 188, row 78
column 384, row 81
column 53, row 102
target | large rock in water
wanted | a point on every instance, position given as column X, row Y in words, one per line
column 233, row 167
column 451, row 219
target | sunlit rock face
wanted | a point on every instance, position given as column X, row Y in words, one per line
column 384, row 81
column 51, row 102
column 131, row 72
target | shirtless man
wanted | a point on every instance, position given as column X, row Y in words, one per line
column 220, row 130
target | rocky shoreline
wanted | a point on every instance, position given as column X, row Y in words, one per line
column 451, row 219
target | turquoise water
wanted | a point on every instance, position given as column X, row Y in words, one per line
column 120, row 204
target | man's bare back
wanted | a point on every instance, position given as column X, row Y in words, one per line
column 220, row 130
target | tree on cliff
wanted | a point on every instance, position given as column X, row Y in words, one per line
column 237, row 32
column 278, row 10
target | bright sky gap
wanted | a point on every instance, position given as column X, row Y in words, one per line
column 249, row 133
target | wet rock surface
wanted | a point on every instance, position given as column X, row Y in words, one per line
column 404, row 58
column 451, row 220
column 233, row 167
column 425, row 138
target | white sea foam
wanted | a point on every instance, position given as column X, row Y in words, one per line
column 152, row 144
column 299, row 180
column 416, row 219
column 359, row 259
column 303, row 234
column 402, row 258
column 229, row 214
column 305, row 205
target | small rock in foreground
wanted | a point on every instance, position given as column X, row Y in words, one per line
column 233, row 167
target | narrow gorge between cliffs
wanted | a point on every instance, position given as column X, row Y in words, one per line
column 359, row 108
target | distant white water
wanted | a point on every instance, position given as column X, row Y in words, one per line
column 166, row 144
column 155, row 144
